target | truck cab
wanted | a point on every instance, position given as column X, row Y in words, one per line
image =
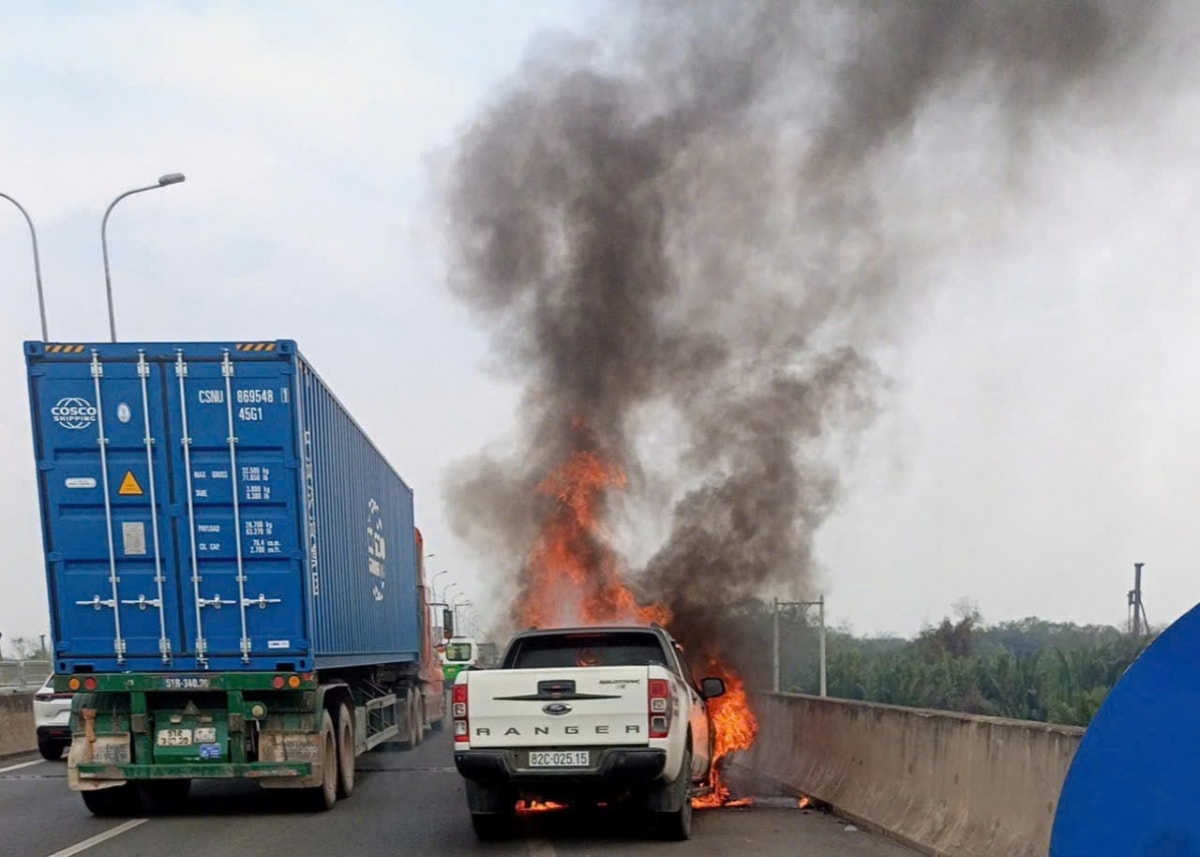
column 461, row 653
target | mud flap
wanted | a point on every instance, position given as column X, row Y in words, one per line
column 669, row 797
column 291, row 747
column 482, row 800
column 112, row 749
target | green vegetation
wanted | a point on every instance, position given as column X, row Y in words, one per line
column 1031, row 669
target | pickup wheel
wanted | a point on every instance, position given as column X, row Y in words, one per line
column 345, row 752
column 51, row 750
column 323, row 797
column 491, row 828
column 493, row 811
column 672, row 806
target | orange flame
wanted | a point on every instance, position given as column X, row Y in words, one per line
column 574, row 577
column 539, row 806
column 734, row 728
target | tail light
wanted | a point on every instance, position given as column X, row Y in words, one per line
column 458, row 710
column 659, row 705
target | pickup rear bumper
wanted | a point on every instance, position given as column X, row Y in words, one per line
column 618, row 767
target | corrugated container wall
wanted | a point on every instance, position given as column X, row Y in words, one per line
column 212, row 506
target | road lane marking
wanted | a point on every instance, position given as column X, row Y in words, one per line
column 537, row 848
column 22, row 765
column 101, row 837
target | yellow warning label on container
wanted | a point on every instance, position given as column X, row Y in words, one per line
column 130, row 486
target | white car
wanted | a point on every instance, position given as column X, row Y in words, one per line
column 584, row 715
column 52, row 717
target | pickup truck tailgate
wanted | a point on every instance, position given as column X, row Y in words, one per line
column 531, row 708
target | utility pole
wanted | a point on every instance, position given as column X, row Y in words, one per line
column 775, row 649
column 822, row 614
column 803, row 605
column 1137, row 610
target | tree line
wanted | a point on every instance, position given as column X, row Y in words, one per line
column 1030, row 669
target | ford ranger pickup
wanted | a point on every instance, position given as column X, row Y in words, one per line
column 584, row 715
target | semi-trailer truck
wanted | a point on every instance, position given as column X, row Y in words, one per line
column 234, row 570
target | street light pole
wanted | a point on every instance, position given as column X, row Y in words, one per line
column 37, row 264
column 168, row 179
column 433, row 582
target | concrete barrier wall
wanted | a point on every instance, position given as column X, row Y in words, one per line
column 948, row 784
column 16, row 723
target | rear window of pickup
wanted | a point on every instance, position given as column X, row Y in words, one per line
column 610, row 649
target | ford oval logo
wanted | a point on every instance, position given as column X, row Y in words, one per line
column 556, row 708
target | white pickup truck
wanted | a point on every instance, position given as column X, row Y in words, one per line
column 596, row 714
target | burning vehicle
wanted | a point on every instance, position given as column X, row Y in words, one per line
column 595, row 714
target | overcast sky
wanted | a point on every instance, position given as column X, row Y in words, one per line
column 1040, row 436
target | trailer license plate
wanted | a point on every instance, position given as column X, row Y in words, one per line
column 174, row 737
column 566, row 759
column 187, row 682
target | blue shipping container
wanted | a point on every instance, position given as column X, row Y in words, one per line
column 213, row 506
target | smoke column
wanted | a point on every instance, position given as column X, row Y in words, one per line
column 701, row 226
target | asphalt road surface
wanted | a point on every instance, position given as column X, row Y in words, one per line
column 404, row 803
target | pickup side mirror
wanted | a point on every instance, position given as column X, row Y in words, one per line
column 711, row 688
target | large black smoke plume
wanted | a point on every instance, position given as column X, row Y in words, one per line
column 700, row 227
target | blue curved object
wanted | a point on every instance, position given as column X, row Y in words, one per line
column 1133, row 789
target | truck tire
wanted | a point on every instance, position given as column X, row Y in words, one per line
column 412, row 733
column 161, row 797
column 51, row 750
column 493, row 811
column 118, row 801
column 323, row 797
column 671, row 804
column 345, row 752
column 491, row 828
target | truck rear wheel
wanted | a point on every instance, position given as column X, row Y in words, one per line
column 493, row 811
column 490, row 828
column 117, row 801
column 323, row 797
column 671, row 804
column 163, row 796
column 412, row 713
column 345, row 752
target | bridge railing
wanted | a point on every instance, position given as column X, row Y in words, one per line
column 947, row 784
column 23, row 675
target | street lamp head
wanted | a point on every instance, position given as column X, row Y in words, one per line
column 171, row 178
